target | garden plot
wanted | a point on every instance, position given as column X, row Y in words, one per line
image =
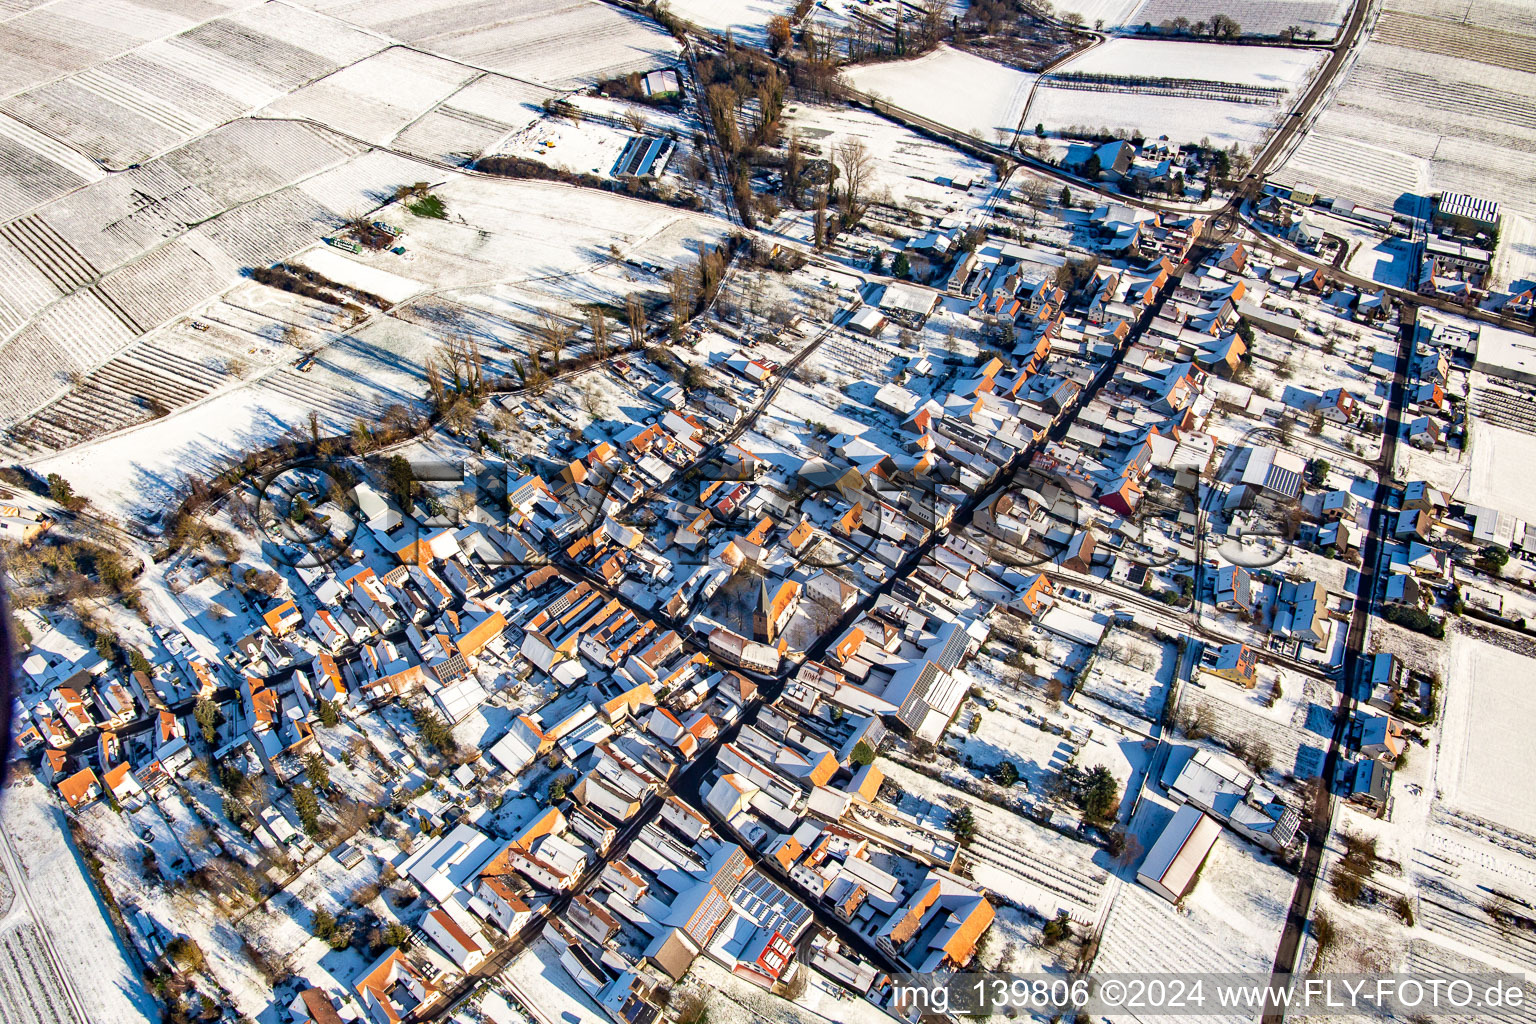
column 209, row 802
column 958, row 89
column 1487, row 701
column 1318, row 20
column 1514, row 267
column 1011, row 730
column 1230, row 921
column 106, row 974
column 578, row 147
column 1294, row 730
column 378, row 96
column 196, row 913
column 1133, row 672
column 1389, row 261
column 1024, row 862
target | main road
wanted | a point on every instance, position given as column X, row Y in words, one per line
column 1321, row 824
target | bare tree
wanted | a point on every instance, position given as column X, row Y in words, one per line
column 634, row 311
column 855, row 165
column 637, row 121
column 794, row 163
column 599, row 326
column 595, row 404
column 681, row 288
column 931, row 18
column 555, row 332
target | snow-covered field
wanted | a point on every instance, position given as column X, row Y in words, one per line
column 1184, row 119
column 510, row 248
column 562, row 43
column 1266, row 66
column 1438, row 100
column 59, row 898
column 905, row 163
column 1516, row 260
column 1499, row 478
column 1113, row 13
column 1257, row 17
column 1488, row 701
column 1387, row 261
column 746, row 20
column 375, row 98
column 955, row 88
column 541, row 984
column 389, row 286
column 1229, row 921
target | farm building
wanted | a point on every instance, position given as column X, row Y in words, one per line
column 906, row 304
column 1170, row 867
column 867, row 320
column 1274, row 471
column 1283, row 324
column 662, row 82
column 642, row 156
column 1464, row 214
column 1505, row 353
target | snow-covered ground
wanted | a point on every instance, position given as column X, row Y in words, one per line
column 1266, row 66
column 1229, row 921
column 955, row 88
column 1501, row 457
column 1487, row 705
column 1183, row 119
column 564, row 43
column 54, row 894
column 1437, row 100
column 508, row 247
column 905, row 163
column 542, row 985
column 1113, row 13
column 746, row 20
column 1516, row 259
column 1257, row 17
